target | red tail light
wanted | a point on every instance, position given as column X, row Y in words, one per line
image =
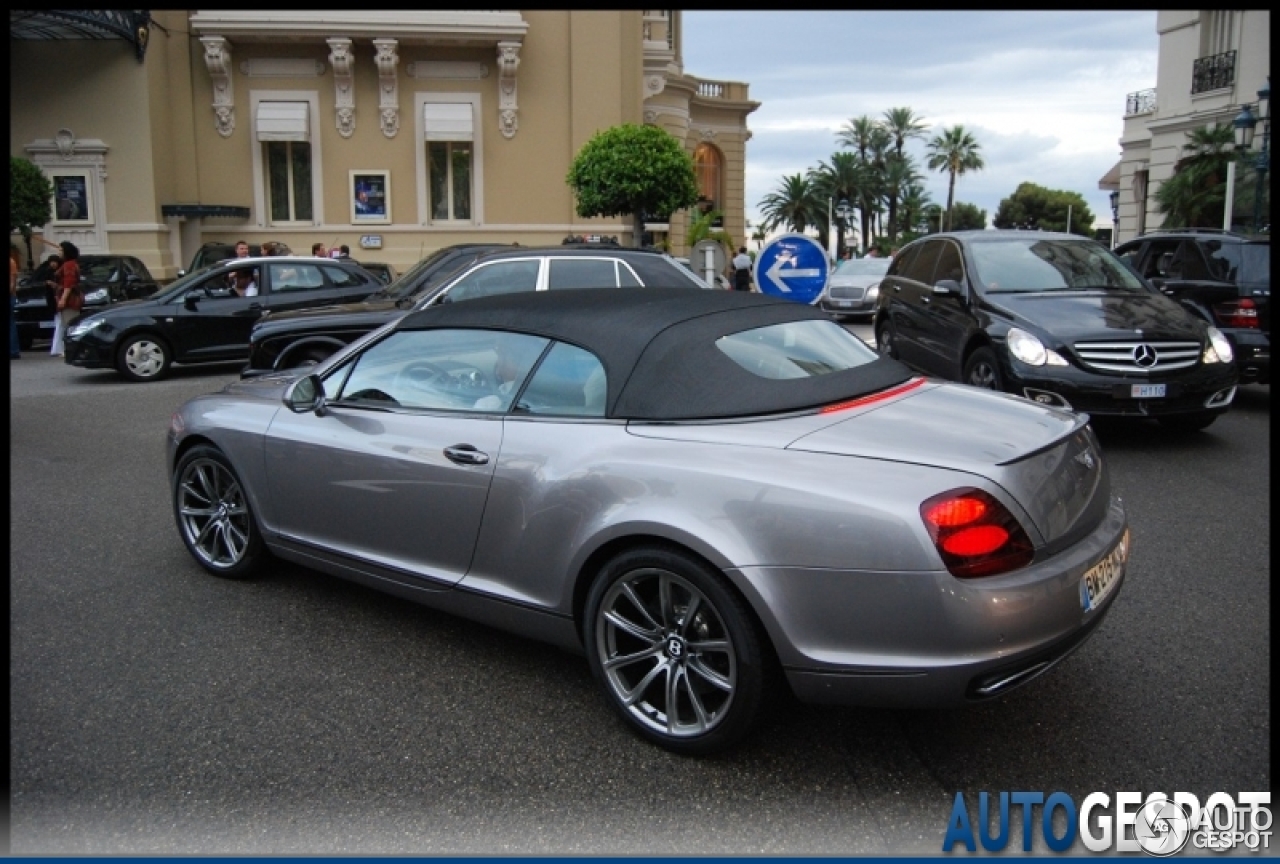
column 1237, row 313
column 975, row 534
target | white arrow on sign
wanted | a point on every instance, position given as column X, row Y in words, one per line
column 775, row 273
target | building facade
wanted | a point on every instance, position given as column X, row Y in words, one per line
column 395, row 133
column 1211, row 63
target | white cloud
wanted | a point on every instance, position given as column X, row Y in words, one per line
column 1043, row 92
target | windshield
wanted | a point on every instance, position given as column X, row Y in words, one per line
column 863, row 267
column 1029, row 265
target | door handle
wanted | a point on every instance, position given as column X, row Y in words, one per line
column 465, row 454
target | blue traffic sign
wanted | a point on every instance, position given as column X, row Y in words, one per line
column 793, row 266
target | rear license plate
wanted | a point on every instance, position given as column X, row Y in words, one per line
column 1099, row 579
column 1147, row 391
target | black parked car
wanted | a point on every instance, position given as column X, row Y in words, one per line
column 1224, row 278
column 199, row 318
column 283, row 341
column 104, row 281
column 1056, row 318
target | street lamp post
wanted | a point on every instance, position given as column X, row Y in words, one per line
column 843, row 210
column 1264, row 155
column 1242, row 127
column 1115, row 216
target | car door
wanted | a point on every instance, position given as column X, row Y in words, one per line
column 212, row 322
column 947, row 319
column 396, row 469
column 907, row 305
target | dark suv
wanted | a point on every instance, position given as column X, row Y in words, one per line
column 289, row 339
column 104, row 280
column 1224, row 278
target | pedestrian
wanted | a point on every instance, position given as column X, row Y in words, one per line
column 318, row 250
column 14, row 353
column 742, row 270
column 242, row 249
column 873, row 252
column 68, row 299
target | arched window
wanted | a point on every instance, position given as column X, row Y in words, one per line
column 709, row 164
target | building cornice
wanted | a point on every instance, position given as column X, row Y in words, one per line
column 410, row 27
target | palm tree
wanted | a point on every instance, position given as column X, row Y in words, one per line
column 792, row 204
column 703, row 228
column 1196, row 193
column 913, row 211
column 901, row 124
column 857, row 134
column 954, row 151
column 899, row 174
column 843, row 178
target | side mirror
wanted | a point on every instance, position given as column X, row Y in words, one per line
column 191, row 298
column 305, row 394
column 182, row 273
column 948, row 287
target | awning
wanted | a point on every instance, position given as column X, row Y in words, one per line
column 131, row 25
column 208, row 211
column 1111, row 180
column 283, row 121
column 449, row 121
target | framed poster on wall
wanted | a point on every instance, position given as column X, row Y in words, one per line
column 370, row 197
column 72, row 204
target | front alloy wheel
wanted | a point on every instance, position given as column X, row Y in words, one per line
column 676, row 650
column 213, row 515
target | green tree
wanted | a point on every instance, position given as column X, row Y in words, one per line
column 1196, row 194
column 913, row 214
column 30, row 199
column 899, row 175
column 956, row 152
column 1036, row 208
column 632, row 169
column 793, row 205
column 703, row 228
column 841, row 179
column 901, row 124
column 969, row 217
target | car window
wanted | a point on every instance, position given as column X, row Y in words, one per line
column 581, row 273
column 441, row 370
column 798, row 349
column 568, row 381
column 903, row 260
column 627, row 277
column 341, row 277
column 292, row 276
column 663, row 272
column 949, row 264
column 1159, row 259
column 499, row 277
column 920, row 267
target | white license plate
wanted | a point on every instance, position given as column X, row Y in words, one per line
column 843, row 304
column 1099, row 579
column 1148, row 391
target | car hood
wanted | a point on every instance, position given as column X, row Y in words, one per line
column 1074, row 316
column 269, row 387
column 856, row 281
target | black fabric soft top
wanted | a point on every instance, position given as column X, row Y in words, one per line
column 658, row 348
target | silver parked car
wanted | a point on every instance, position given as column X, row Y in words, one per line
column 710, row 493
column 853, row 286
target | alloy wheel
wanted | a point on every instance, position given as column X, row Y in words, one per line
column 213, row 514
column 666, row 653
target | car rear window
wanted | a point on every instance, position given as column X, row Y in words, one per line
column 581, row 273
column 797, row 349
column 662, row 272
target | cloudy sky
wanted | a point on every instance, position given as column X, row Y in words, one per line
column 1042, row 92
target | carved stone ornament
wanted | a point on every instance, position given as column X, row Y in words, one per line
column 66, row 141
column 386, row 60
column 344, row 100
column 650, row 116
column 508, row 62
column 217, row 59
column 654, row 84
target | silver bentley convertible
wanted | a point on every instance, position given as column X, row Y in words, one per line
column 711, row 494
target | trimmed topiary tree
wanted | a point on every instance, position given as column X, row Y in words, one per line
column 632, row 169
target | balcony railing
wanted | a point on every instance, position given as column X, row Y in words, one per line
column 1213, row 73
column 1142, row 102
column 659, row 35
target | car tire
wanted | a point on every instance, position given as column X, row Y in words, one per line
column 641, row 648
column 983, row 370
column 884, row 340
column 1188, row 422
column 213, row 514
column 309, row 357
column 144, row 357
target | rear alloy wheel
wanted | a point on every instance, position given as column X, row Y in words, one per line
column 143, row 358
column 884, row 340
column 983, row 370
column 213, row 515
column 676, row 649
column 1188, row 422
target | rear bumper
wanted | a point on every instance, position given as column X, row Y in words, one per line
column 929, row 640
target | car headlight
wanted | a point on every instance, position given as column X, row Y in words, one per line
column 1028, row 349
column 873, row 292
column 97, row 296
column 80, row 328
column 1219, row 349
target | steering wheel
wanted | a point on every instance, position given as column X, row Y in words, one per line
column 420, row 374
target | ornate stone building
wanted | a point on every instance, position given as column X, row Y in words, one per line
column 402, row 131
